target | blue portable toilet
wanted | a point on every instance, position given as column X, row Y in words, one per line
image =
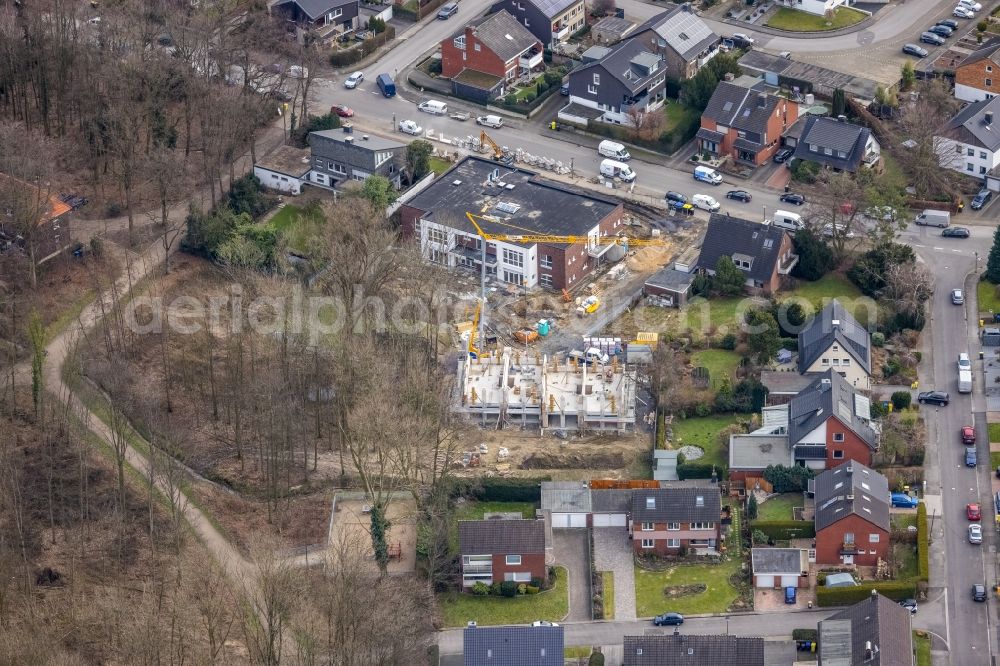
column 543, row 327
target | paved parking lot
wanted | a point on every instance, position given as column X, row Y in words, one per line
column 613, row 552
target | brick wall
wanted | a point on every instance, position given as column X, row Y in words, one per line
column 483, row 60
column 830, row 540
column 975, row 75
column 852, row 448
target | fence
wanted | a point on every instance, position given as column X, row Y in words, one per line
column 413, row 191
column 408, row 13
column 368, row 46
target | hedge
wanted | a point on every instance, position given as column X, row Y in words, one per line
column 695, row 470
column 509, row 490
column 923, row 545
column 843, row 596
column 785, row 529
column 804, row 634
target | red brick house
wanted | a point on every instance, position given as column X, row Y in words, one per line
column 764, row 252
column 978, row 76
column 745, row 123
column 24, row 202
column 852, row 515
column 499, row 550
column 665, row 520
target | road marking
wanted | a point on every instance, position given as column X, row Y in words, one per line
column 937, row 248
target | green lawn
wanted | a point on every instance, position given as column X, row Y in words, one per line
column 476, row 510
column 922, row 648
column 720, row 362
column 458, row 608
column 800, row 21
column 901, row 521
column 608, row 581
column 831, row 285
column 779, row 507
column 994, row 459
column 577, row 652
column 676, row 113
column 438, row 165
column 989, row 299
column 717, row 597
column 906, row 560
column 702, row 432
column 994, row 431
column 300, row 228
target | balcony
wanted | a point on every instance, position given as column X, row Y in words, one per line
column 560, row 33
column 785, row 267
column 531, row 59
column 477, row 569
column 644, row 102
column 848, row 548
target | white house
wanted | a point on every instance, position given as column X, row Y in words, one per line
column 819, row 7
column 285, row 169
column 970, row 142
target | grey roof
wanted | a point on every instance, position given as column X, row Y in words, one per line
column 513, row 646
column 677, row 505
column 566, row 496
column 741, row 108
column 628, row 62
column 613, row 25
column 851, row 489
column 785, row 382
column 611, row 500
column 482, row 537
column 672, row 279
column 728, row 235
column 823, row 81
column 693, row 650
column 840, row 580
column 969, row 125
column 595, row 53
column 287, row 160
column 682, row 30
column 988, row 50
column 544, row 206
column 552, row 8
column 778, row 561
column 828, row 395
column 710, row 135
column 358, row 139
column 842, row 137
column 878, row 622
column 314, row 9
column 502, row 34
column 758, row 451
column 821, row 332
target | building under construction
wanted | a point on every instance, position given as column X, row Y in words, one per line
column 518, row 389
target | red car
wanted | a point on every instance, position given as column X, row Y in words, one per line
column 968, row 434
column 342, row 111
column 972, row 512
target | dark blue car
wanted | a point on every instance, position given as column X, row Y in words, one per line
column 789, row 595
column 970, row 456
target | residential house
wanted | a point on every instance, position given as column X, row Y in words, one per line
column 873, row 632
column 628, row 81
column 518, row 201
column 552, row 22
column 666, row 520
column 783, row 385
column 327, row 19
column 671, row 284
column 852, row 515
column 970, row 141
column 835, row 340
column 978, row 76
column 21, row 202
column 340, row 155
column 805, row 78
column 837, row 144
column 745, row 123
column 763, row 252
column 499, row 550
column 488, row 54
column 818, row 7
column 780, row 567
column 679, row 649
column 285, row 169
column 513, row 646
column 682, row 38
column 575, row 504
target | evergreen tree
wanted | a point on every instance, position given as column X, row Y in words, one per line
column 752, row 508
column 993, row 262
column 839, row 102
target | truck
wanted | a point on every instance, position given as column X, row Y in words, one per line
column 592, row 355
column 965, row 381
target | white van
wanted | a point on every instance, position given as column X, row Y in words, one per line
column 934, row 218
column 615, row 151
column 434, row 107
column 615, row 169
column 490, row 121
column 707, row 175
column 705, row 202
column 787, row 220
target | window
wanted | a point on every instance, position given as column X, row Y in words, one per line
column 813, row 148
column 478, row 47
column 592, row 90
column 513, row 559
column 437, row 236
column 826, row 361
column 982, row 170
column 650, row 502
column 969, row 166
column 703, row 526
column 836, row 347
column 335, row 13
column 338, row 168
column 989, row 82
column 459, row 42
column 958, row 149
column 519, row 577
column 699, row 500
column 545, row 261
column 545, row 280
column 838, row 454
column 828, row 151
column 647, row 527
column 989, row 68
column 597, row 79
column 849, row 537
column 510, row 277
column 838, row 436
column 647, row 543
column 513, row 258
column 845, row 361
column 673, row 543
column 873, row 538
column 970, row 152
column 464, row 56
column 982, row 154
column 841, row 154
column 673, row 527
column 836, row 361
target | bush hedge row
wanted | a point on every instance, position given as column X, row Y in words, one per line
column 843, row 596
column 509, row 490
column 923, row 544
column 785, row 529
column 696, row 470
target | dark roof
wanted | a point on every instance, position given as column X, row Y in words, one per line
column 840, row 137
column 777, row 560
column 844, row 637
column 728, row 235
column 502, row 34
column 662, row 505
column 513, row 646
column 834, row 324
column 682, row 30
column 784, row 381
column 693, row 650
column 476, row 79
column 969, row 125
column 611, row 500
column 824, row 81
column 552, row 8
column 314, row 9
column 851, row 489
column 542, row 206
column 741, row 108
column 828, row 395
column 988, row 50
column 358, row 140
column 630, row 63
column 672, row 279
column 482, row 537
column 710, row 135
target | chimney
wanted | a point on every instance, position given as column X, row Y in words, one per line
column 348, row 128
column 761, row 100
column 988, row 118
column 841, row 119
column 686, row 7
column 728, row 76
column 835, row 323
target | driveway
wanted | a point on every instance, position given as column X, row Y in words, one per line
column 613, row 552
column 571, row 550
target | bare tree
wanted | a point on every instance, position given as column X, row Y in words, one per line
column 929, row 160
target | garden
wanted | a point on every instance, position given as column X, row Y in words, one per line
column 687, row 588
column 795, row 20
column 779, row 507
column 519, row 607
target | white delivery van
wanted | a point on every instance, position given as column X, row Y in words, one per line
column 707, row 175
column 705, row 202
column 490, row 121
column 934, row 218
column 615, row 151
column 787, row 220
column 615, row 169
column 965, row 381
column 434, row 107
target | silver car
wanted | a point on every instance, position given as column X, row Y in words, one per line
column 975, row 533
column 957, row 297
column 354, row 79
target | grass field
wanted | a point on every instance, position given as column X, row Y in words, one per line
column 988, row 298
column 831, row 285
column 298, row 226
column 553, row 605
column 703, row 432
column 577, row 652
column 779, row 507
column 994, row 459
column 439, row 166
column 720, row 362
column 922, row 648
column 901, row 521
column 676, row 113
column 799, row 21
column 717, row 597
column 994, row 431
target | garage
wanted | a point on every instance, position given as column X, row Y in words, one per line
column 778, row 567
column 568, row 502
column 765, row 581
column 565, row 520
column 789, row 581
column 609, row 520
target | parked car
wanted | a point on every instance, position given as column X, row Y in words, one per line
column 975, row 533
column 933, row 398
column 970, row 4
column 931, row 38
column 979, row 592
column 742, row 40
column 903, row 501
column 668, row 619
column 909, row 604
column 955, row 232
column 841, row 229
column 448, row 11
column 705, row 202
column 354, row 79
column 410, row 127
column 940, row 30
column 957, row 297
column 792, row 198
column 949, row 22
column 968, row 435
column 782, row 155
column 789, row 595
column 564, row 90
column 964, row 362
column 981, row 199
column 342, row 111
column 963, row 12
column 914, row 50
column 676, row 197
column 739, row 195
column 973, row 512
column 489, row 121
column 543, row 623
column 970, row 456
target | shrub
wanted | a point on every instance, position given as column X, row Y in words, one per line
column 596, row 659
column 247, row 196
column 843, row 596
column 804, row 634
column 97, row 246
column 694, row 470
column 508, row 588
column 923, row 545
column 805, row 171
column 820, row 579
column 495, row 589
column 499, row 489
column 553, row 77
column 522, row 588
column 728, row 342
column 878, row 339
column 785, row 529
column 532, row 589
column 788, row 479
column 759, row 537
column 529, row 97
column 702, row 409
column 536, row 582
column 435, row 66
column 982, row 26
column 480, row 588
column 901, row 399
